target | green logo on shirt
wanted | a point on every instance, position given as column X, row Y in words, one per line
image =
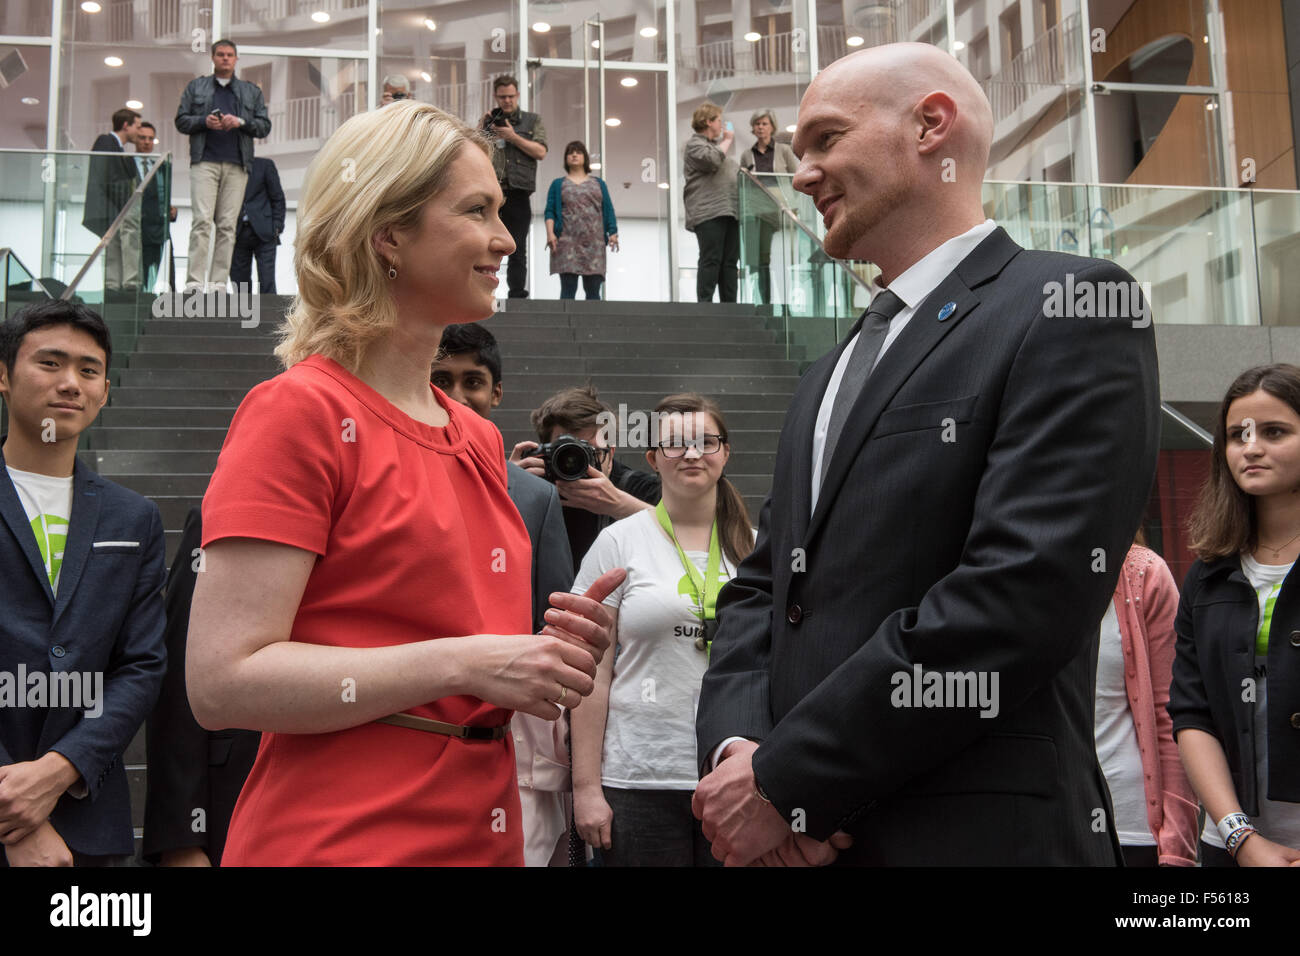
column 51, row 536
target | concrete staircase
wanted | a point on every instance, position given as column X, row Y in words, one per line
column 175, row 393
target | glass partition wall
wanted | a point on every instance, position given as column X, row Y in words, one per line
column 1187, row 93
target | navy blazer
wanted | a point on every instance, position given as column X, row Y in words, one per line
column 264, row 201
column 107, row 619
column 973, row 520
column 109, row 183
column 538, row 503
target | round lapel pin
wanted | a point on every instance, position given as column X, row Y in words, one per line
column 947, row 310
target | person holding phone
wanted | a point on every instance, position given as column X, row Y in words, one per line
column 711, row 203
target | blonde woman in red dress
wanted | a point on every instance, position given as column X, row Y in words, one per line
column 365, row 595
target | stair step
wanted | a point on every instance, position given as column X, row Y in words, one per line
column 124, row 416
column 151, row 485
column 551, row 381
column 203, row 361
column 154, row 438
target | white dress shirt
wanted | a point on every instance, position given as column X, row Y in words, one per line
column 912, row 287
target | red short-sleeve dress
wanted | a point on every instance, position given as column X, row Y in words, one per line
column 417, row 539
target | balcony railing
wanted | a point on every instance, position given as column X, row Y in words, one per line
column 309, row 118
column 466, row 100
column 711, row 61
column 1054, row 59
column 264, row 11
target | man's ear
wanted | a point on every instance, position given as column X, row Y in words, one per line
column 104, row 401
column 498, row 392
column 937, row 113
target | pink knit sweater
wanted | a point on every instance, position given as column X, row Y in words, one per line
column 1146, row 601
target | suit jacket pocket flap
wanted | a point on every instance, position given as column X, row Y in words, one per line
column 998, row 763
column 907, row 418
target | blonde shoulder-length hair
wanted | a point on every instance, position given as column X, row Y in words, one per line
column 376, row 171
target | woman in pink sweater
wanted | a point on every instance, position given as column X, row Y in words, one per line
column 1155, row 809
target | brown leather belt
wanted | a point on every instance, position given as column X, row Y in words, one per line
column 438, row 727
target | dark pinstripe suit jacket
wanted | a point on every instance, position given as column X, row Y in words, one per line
column 974, row 518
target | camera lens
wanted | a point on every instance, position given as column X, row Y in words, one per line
column 570, row 461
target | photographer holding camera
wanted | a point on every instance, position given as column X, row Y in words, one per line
column 596, row 495
column 396, row 87
column 520, row 144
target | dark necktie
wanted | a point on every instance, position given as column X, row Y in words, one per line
column 875, row 326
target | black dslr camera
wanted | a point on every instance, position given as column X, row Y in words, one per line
column 496, row 118
column 399, row 96
column 567, row 458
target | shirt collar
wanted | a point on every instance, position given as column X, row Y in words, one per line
column 120, row 142
column 924, row 275
column 226, row 81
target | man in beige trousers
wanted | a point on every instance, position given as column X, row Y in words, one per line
column 222, row 115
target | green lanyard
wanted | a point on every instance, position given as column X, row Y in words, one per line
column 706, row 592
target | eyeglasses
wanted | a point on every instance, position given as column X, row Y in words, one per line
column 708, row 445
column 602, row 454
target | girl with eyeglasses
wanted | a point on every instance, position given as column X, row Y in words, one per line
column 633, row 740
column 1235, row 698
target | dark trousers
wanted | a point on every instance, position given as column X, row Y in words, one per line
column 569, row 285
column 1213, row 856
column 517, row 215
column 719, row 241
column 655, row 828
column 150, row 260
column 247, row 245
column 765, row 232
column 1140, row 855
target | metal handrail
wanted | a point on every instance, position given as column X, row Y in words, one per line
column 789, row 211
column 7, row 253
column 111, row 232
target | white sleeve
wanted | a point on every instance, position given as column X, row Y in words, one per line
column 605, row 554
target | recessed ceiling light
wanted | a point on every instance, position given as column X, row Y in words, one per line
column 1204, row 39
column 428, row 22
column 134, row 105
column 30, row 101
column 90, row 6
column 753, row 37
column 628, row 81
column 426, row 77
column 649, row 32
column 855, row 40
column 112, row 61
column 663, row 185
column 790, row 128
column 541, row 27
column 320, row 16
column 958, row 46
column 613, row 121
column 595, row 44
column 595, row 165
column 1211, row 106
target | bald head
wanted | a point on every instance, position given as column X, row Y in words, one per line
column 895, row 78
column 893, row 142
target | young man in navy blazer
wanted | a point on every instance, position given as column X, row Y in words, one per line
column 82, row 621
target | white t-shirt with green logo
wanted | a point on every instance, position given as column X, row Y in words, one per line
column 650, row 730
column 48, row 504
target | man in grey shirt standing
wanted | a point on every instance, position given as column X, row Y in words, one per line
column 521, row 145
column 222, row 115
